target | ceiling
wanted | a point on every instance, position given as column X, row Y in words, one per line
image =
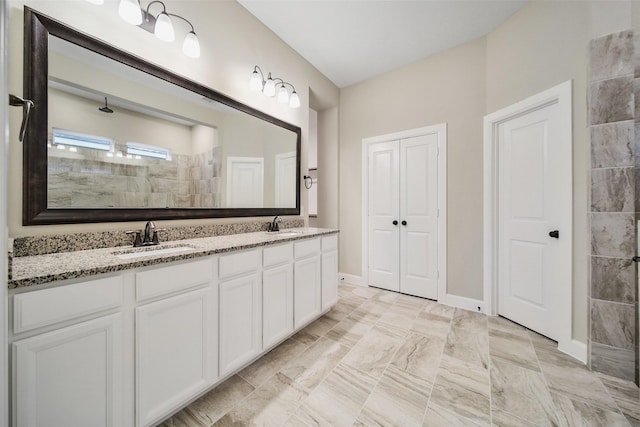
column 353, row 40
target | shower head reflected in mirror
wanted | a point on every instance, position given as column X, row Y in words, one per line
column 106, row 108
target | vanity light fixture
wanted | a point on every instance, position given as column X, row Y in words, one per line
column 160, row 25
column 257, row 83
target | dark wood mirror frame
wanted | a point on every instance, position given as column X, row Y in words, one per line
column 37, row 29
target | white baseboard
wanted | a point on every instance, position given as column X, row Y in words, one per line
column 463, row 302
column 352, row 279
column 576, row 349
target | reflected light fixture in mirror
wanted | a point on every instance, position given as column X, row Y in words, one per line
column 257, row 83
column 161, row 25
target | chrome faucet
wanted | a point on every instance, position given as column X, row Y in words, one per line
column 274, row 225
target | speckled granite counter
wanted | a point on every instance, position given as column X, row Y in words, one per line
column 40, row 269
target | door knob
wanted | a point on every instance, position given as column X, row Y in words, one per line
column 404, row 222
column 555, row 234
column 395, row 222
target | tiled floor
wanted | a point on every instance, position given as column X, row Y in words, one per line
column 381, row 358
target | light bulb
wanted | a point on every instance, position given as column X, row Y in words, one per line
column 294, row 100
column 130, row 11
column 255, row 83
column 164, row 28
column 283, row 95
column 191, row 45
column 270, row 87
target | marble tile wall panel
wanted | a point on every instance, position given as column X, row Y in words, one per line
column 612, row 100
column 613, row 234
column 612, row 145
column 612, row 55
column 613, row 190
column 614, row 361
column 613, row 279
column 613, row 324
column 636, row 54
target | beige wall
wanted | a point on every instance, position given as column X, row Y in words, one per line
column 328, row 191
column 232, row 42
column 448, row 87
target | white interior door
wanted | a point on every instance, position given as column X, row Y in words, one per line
column 245, row 177
column 533, row 186
column 286, row 180
column 384, row 210
column 419, row 216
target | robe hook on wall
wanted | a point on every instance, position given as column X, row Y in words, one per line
column 27, row 105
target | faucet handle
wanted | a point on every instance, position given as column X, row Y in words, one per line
column 137, row 240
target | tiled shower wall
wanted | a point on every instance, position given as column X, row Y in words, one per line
column 615, row 205
column 90, row 179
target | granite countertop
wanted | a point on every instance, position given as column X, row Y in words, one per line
column 41, row 269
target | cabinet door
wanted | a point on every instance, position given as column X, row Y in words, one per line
column 175, row 353
column 329, row 279
column 70, row 377
column 277, row 304
column 307, row 290
column 240, row 322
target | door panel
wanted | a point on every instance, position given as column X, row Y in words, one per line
column 419, row 210
column 384, row 239
column 531, row 189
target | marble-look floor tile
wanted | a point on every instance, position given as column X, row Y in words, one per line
column 294, row 421
column 349, row 331
column 521, row 391
column 364, row 291
column 310, row 334
column 399, row 399
column 577, row 382
column 375, row 350
column 213, row 405
column 343, row 308
column 467, row 319
column 184, row 418
column 626, row 394
column 370, row 311
column 420, row 355
column 269, row 405
column 577, row 413
column 469, row 345
column 501, row 418
column 312, row 366
column 513, row 348
column 267, row 366
column 498, row 323
column 431, row 324
column 397, row 319
column 385, row 296
column 337, row 401
column 433, row 307
column 437, row 416
column 463, row 389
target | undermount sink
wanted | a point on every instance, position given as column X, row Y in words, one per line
column 151, row 251
column 285, row 233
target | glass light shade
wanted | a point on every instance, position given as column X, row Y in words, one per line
column 283, row 95
column 164, row 28
column 270, row 87
column 191, row 45
column 96, row 1
column 130, row 11
column 255, row 83
column 294, row 100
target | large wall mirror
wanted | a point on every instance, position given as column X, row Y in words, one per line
column 115, row 138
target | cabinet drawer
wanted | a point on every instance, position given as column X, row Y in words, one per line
column 307, row 247
column 329, row 243
column 238, row 263
column 36, row 309
column 174, row 278
column 273, row 255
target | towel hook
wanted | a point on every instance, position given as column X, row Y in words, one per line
column 310, row 181
column 27, row 105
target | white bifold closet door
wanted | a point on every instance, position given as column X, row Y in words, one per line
column 403, row 215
